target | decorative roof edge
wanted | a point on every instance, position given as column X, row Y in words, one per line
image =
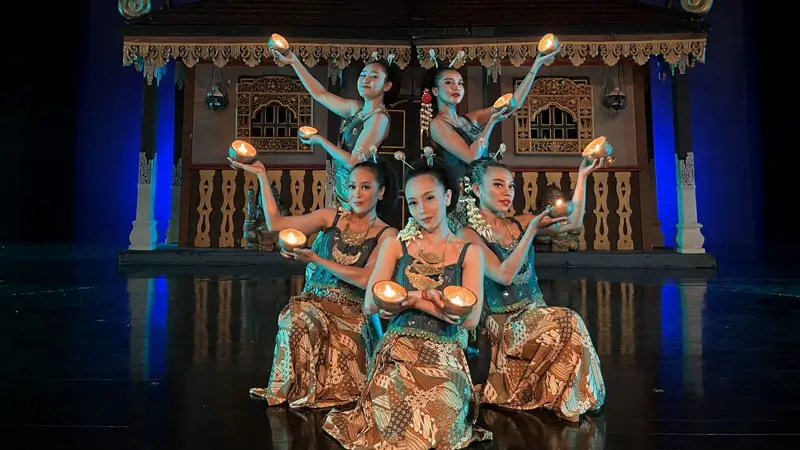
column 151, row 58
column 681, row 53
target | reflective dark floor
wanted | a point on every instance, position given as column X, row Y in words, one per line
column 94, row 359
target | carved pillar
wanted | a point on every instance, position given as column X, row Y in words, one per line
column 689, row 239
column 173, row 230
column 143, row 236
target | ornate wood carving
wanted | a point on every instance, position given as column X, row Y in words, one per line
column 273, row 130
column 550, row 96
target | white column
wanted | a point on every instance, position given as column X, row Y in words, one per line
column 688, row 238
column 144, row 234
column 174, row 229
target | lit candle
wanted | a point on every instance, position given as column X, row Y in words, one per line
column 505, row 100
column 278, row 43
column 460, row 300
column 389, row 295
column 305, row 132
column 242, row 152
column 598, row 148
column 291, row 239
column 548, row 44
column 559, row 209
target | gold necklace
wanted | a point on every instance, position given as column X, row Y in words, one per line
column 353, row 239
column 427, row 270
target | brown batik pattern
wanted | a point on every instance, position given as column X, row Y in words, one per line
column 320, row 354
column 543, row 358
column 419, row 397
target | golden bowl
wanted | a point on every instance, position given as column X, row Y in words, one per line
column 598, row 148
column 458, row 301
column 389, row 296
column 306, row 132
column 278, row 43
column 560, row 209
column 242, row 152
column 289, row 239
column 506, row 100
column 548, row 43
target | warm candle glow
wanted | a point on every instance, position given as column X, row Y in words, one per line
column 559, row 202
column 279, row 41
column 291, row 238
column 242, row 149
column 548, row 43
column 457, row 301
column 388, row 291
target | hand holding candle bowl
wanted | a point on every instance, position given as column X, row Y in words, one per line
column 504, row 101
column 279, row 44
column 598, row 149
column 290, row 239
column 549, row 43
column 242, row 152
column 389, row 296
column 560, row 209
column 459, row 301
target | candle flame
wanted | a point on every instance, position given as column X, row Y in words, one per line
column 548, row 43
column 388, row 291
column 457, row 301
column 242, row 149
column 291, row 238
column 559, row 202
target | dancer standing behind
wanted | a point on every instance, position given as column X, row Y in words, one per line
column 419, row 391
column 365, row 121
column 541, row 357
column 324, row 340
column 465, row 138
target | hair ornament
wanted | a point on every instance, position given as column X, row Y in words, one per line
column 400, row 156
column 375, row 56
column 461, row 56
column 467, row 184
column 498, row 156
column 432, row 54
column 425, row 111
column 373, row 151
column 427, row 152
column 390, row 59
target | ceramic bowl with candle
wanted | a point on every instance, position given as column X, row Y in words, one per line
column 598, row 148
column 458, row 301
column 306, row 132
column 242, row 152
column 278, row 43
column 560, row 208
column 506, row 100
column 548, row 43
column 290, row 239
column 389, row 296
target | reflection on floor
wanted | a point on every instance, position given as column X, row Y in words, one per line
column 94, row 359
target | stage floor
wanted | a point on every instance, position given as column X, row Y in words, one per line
column 156, row 358
column 167, row 255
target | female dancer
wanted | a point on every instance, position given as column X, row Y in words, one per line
column 541, row 357
column 323, row 340
column 419, row 391
column 365, row 122
column 466, row 138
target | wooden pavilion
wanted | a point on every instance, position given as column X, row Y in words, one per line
column 599, row 85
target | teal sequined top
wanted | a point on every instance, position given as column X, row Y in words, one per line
column 349, row 131
column 322, row 282
column 416, row 323
column 524, row 288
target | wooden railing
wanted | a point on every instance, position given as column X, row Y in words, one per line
column 218, row 202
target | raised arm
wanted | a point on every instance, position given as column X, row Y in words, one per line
column 527, row 83
column 502, row 271
column 357, row 276
column 375, row 131
column 340, row 106
column 390, row 251
column 472, row 279
column 446, row 137
column 575, row 219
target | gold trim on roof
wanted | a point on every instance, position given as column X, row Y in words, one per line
column 144, row 54
column 675, row 51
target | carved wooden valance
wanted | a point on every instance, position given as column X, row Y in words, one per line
column 681, row 53
column 150, row 57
